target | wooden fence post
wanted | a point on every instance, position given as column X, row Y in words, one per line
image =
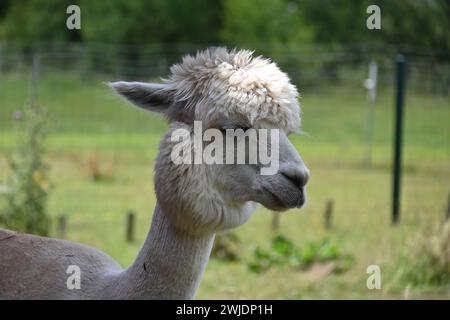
column 275, row 221
column 447, row 217
column 62, row 226
column 328, row 217
column 130, row 226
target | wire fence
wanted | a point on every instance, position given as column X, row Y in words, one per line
column 63, row 69
column 307, row 66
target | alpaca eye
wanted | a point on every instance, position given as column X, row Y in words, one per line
column 244, row 128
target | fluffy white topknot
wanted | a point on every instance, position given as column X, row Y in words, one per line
column 221, row 82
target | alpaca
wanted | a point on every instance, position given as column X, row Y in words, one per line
column 222, row 89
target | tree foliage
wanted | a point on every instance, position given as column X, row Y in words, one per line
column 134, row 22
column 234, row 22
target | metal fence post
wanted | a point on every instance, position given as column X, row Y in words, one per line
column 397, row 167
column 34, row 80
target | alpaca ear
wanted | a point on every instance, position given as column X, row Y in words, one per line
column 149, row 96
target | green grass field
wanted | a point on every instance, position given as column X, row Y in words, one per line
column 89, row 122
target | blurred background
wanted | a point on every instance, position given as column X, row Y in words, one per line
column 76, row 162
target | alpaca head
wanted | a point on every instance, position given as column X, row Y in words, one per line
column 218, row 91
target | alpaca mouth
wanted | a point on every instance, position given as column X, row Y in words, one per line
column 302, row 199
column 278, row 203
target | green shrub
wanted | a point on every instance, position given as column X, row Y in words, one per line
column 28, row 184
column 284, row 253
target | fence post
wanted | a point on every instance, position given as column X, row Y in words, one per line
column 275, row 221
column 328, row 216
column 447, row 217
column 130, row 226
column 1, row 61
column 371, row 86
column 62, row 226
column 397, row 167
column 34, row 80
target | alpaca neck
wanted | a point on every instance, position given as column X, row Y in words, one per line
column 170, row 264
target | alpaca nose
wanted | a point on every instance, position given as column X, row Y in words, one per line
column 299, row 176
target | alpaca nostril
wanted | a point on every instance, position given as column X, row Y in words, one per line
column 298, row 177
